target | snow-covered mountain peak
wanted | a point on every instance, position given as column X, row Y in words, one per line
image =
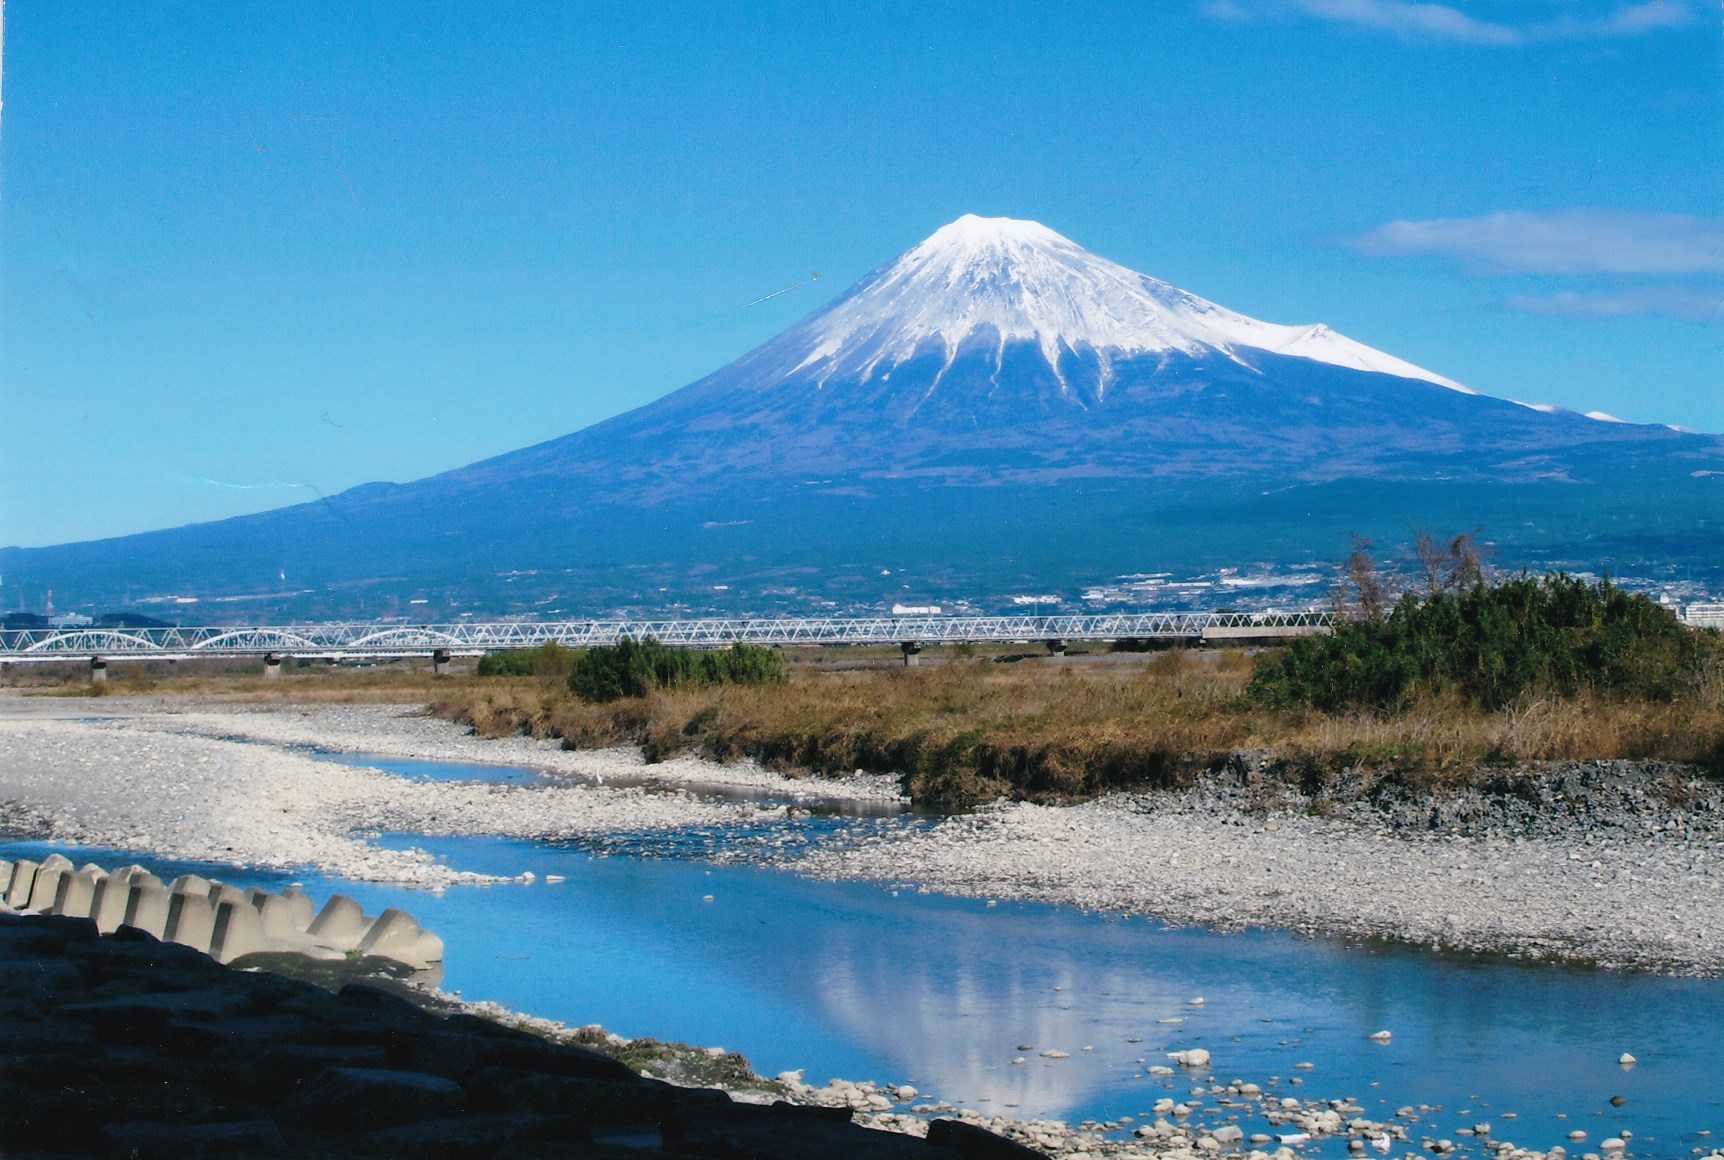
column 984, row 283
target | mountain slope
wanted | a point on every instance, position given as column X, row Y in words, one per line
column 994, row 385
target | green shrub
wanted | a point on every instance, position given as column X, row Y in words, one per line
column 633, row 668
column 1492, row 644
column 549, row 660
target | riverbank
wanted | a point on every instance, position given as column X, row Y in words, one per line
column 1618, row 864
column 1058, row 730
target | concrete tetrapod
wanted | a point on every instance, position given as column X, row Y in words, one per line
column 113, row 893
column 77, row 894
column 299, row 905
column 219, row 920
column 18, row 888
column 191, row 920
column 238, row 931
column 340, row 924
column 396, row 935
column 147, row 905
column 47, row 885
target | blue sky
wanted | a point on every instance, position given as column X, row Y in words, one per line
column 250, row 258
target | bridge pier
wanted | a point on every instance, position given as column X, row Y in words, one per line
column 1056, row 648
column 272, row 666
column 98, row 671
column 912, row 651
column 440, row 662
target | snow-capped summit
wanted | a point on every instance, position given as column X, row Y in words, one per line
column 986, row 284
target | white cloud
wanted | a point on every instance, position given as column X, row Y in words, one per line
column 1566, row 242
column 1684, row 303
column 1413, row 20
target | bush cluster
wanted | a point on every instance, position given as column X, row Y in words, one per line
column 635, row 668
column 550, row 660
column 1492, row 644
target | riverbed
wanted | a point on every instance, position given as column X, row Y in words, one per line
column 666, row 924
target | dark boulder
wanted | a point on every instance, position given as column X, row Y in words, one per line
column 362, row 1099
column 972, row 1142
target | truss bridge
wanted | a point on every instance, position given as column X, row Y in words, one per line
column 440, row 642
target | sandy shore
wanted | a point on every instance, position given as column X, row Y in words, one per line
column 219, row 783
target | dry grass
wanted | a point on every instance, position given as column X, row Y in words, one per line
column 232, row 681
column 971, row 730
column 1058, row 732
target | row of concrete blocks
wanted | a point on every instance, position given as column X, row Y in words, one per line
column 222, row 921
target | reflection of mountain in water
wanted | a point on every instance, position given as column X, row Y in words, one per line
column 951, row 1015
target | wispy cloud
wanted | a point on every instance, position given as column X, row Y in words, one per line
column 1577, row 241
column 1414, row 21
column 1684, row 303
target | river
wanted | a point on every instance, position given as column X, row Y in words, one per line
column 862, row 982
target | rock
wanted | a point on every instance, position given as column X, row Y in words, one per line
column 783, row 1131
column 360, row 1099
column 465, row 1137
column 1380, row 1036
column 153, row 1141
column 971, row 1142
column 1228, row 1134
column 1626, row 1060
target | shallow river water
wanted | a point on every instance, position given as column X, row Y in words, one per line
column 854, row 980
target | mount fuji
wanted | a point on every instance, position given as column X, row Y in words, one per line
column 996, row 409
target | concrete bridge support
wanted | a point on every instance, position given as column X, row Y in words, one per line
column 912, row 651
column 272, row 666
column 440, row 662
column 98, row 671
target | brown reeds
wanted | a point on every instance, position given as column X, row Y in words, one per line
column 1054, row 731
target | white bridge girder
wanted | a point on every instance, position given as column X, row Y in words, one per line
column 364, row 640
